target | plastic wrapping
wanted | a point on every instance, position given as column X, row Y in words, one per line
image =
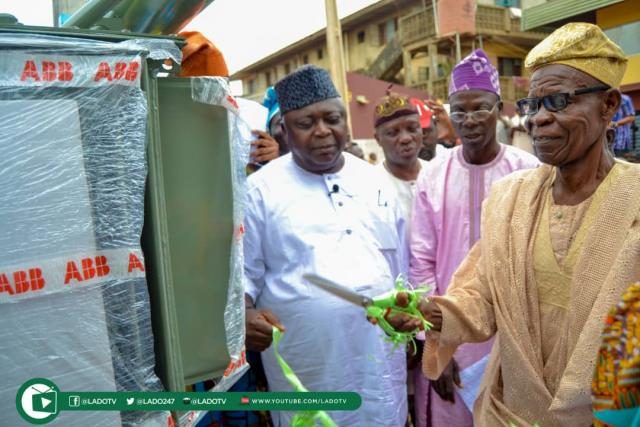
column 74, row 303
column 151, row 48
column 215, row 91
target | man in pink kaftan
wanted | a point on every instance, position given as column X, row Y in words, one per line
column 446, row 224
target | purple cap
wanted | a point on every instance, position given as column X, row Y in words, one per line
column 475, row 72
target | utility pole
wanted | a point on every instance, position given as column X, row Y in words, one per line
column 336, row 54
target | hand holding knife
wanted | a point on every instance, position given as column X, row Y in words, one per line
column 382, row 308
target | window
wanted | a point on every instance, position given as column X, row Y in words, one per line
column 361, row 35
column 267, row 77
column 305, row 59
column 251, row 86
column 287, row 68
column 320, row 53
column 510, row 67
column 423, row 74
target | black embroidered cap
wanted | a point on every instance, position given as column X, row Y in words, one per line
column 305, row 86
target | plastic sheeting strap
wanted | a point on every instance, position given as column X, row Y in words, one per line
column 303, row 419
column 66, row 273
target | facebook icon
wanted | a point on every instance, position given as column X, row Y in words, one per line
column 74, row 401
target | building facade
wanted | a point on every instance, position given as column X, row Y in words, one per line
column 414, row 43
column 365, row 35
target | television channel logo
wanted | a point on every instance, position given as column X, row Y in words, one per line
column 37, row 401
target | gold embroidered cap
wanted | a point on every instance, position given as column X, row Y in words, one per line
column 391, row 106
column 584, row 47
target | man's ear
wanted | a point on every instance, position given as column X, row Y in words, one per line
column 283, row 128
column 611, row 103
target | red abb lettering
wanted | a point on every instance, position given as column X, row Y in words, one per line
column 120, row 70
column 132, row 72
column 134, row 262
column 48, row 71
column 23, row 281
column 104, row 72
column 102, row 268
column 88, row 272
column 20, row 282
column 232, row 101
column 65, row 71
column 5, row 286
column 72, row 273
column 91, row 267
column 30, row 71
column 37, row 281
column 235, row 364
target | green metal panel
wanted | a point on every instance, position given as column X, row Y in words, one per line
column 188, row 232
column 557, row 10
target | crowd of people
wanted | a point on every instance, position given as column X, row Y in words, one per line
column 525, row 253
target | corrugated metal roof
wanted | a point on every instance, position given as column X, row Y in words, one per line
column 556, row 10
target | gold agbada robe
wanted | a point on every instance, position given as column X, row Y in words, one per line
column 495, row 292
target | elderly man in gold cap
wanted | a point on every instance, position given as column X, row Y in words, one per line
column 559, row 246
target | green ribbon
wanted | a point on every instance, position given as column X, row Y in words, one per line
column 385, row 305
column 382, row 307
column 301, row 419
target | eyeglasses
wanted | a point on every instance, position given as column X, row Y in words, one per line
column 478, row 115
column 554, row 102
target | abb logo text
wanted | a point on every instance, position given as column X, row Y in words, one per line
column 235, row 364
column 62, row 273
column 23, row 281
column 90, row 269
column 51, row 71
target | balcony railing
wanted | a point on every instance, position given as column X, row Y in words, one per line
column 494, row 19
column 419, row 25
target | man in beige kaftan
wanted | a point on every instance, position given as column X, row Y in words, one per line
column 559, row 245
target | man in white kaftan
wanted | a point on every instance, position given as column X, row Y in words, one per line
column 323, row 211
